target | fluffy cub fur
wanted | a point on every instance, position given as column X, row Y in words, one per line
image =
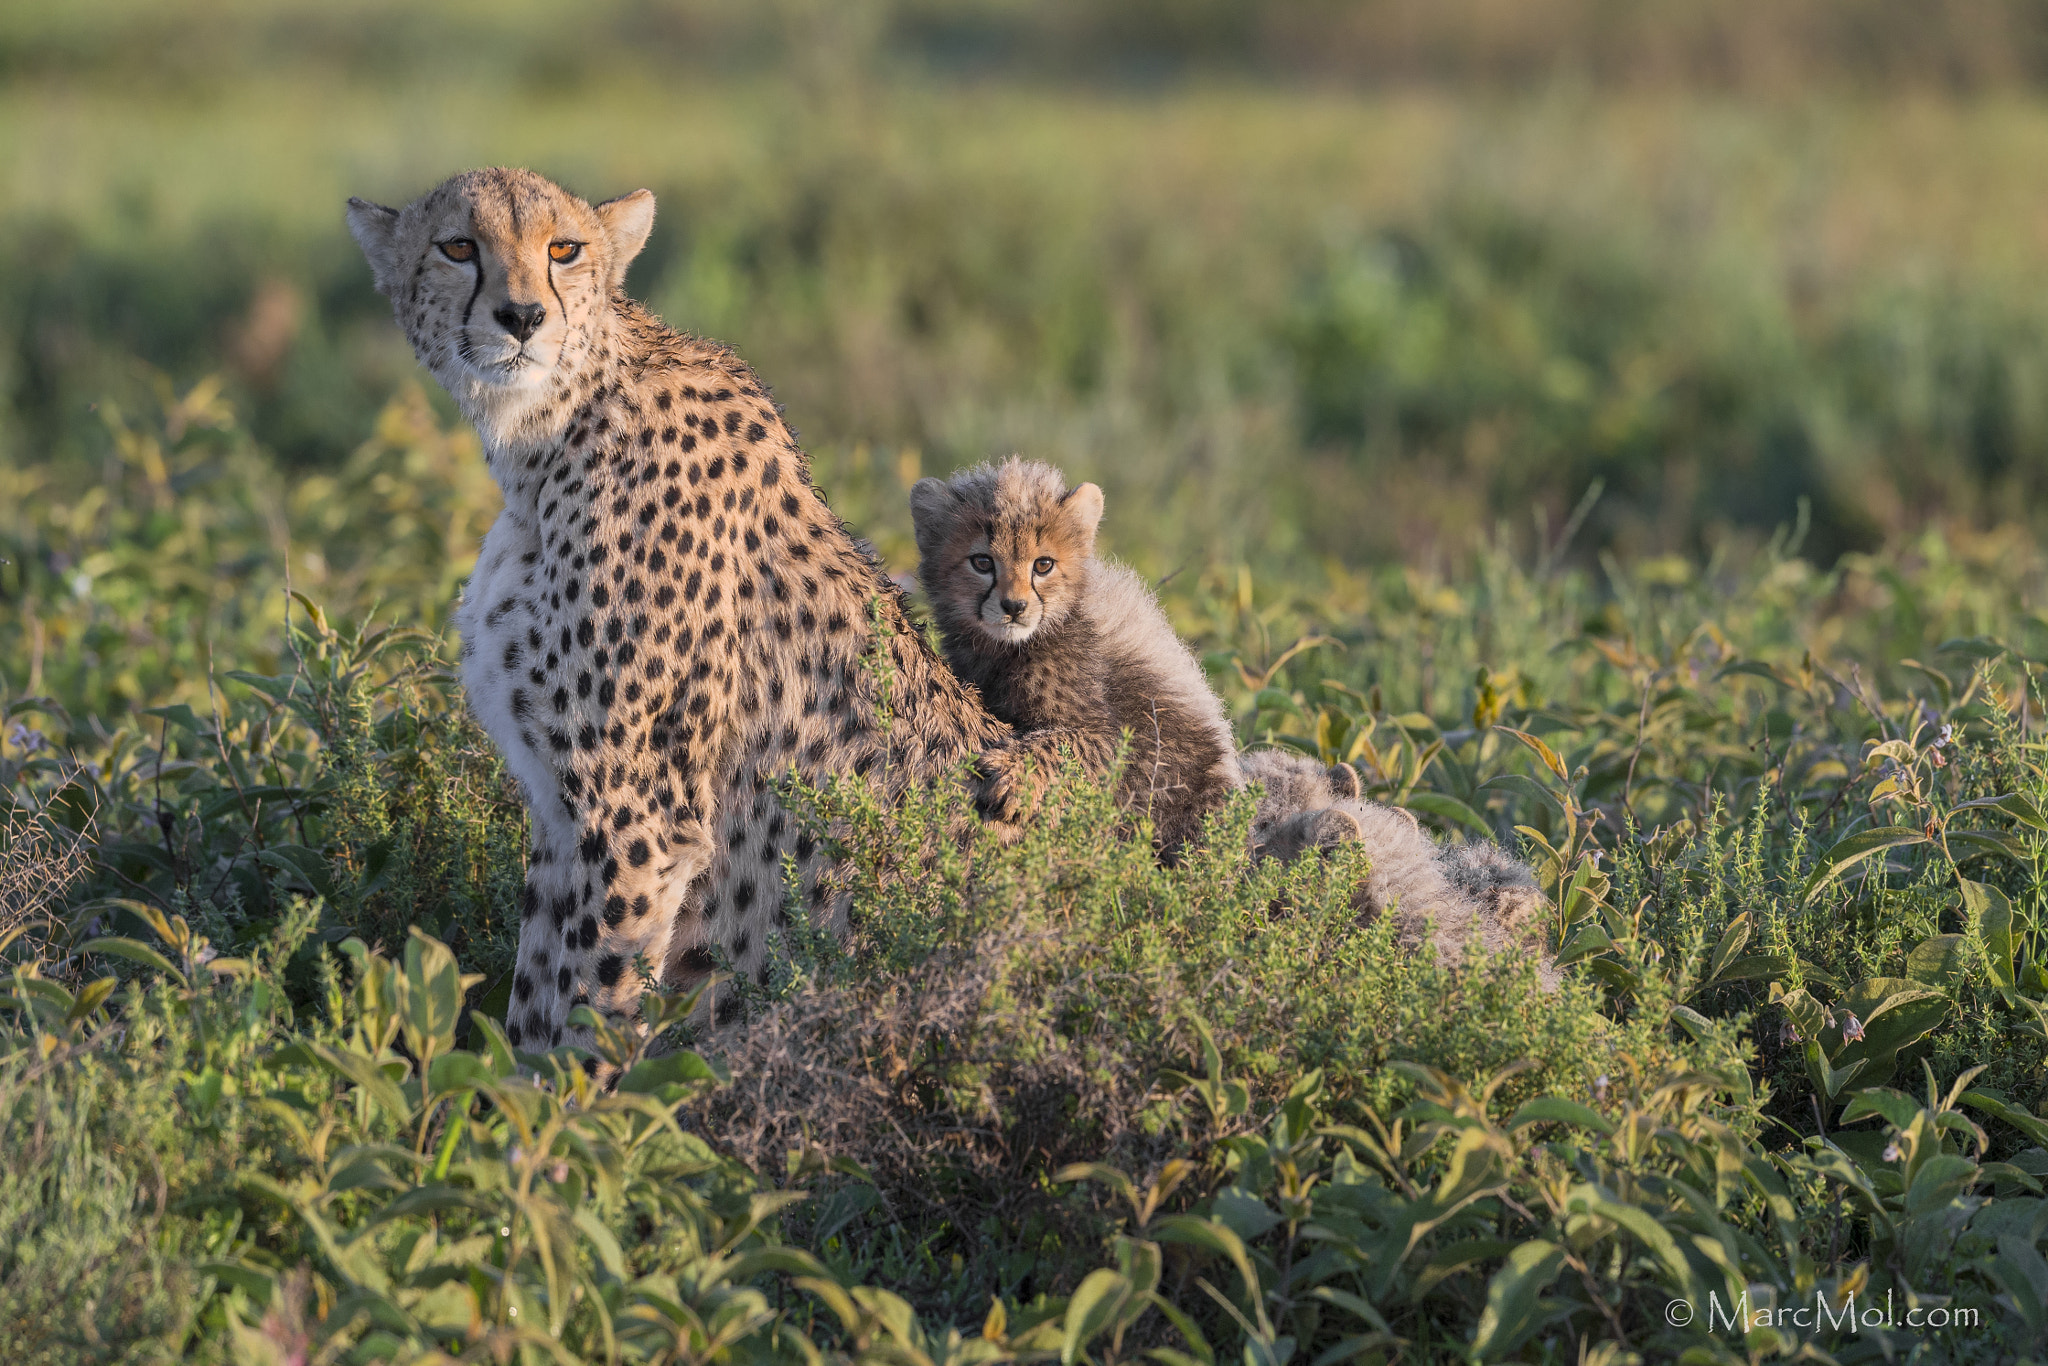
column 1072, row 650
column 1455, row 893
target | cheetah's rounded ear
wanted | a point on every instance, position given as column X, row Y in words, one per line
column 627, row 221
column 375, row 229
column 1084, row 505
column 932, row 506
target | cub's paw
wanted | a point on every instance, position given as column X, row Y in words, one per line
column 1002, row 787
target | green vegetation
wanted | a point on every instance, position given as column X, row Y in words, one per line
column 1644, row 476
column 1096, row 1106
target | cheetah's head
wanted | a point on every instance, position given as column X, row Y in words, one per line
column 1005, row 548
column 503, row 282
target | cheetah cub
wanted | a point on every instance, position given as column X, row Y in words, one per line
column 1451, row 894
column 1069, row 649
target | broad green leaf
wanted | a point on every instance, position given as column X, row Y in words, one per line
column 1097, row 1171
column 89, row 998
column 1448, row 808
column 1211, row 1236
column 352, row 1066
column 1755, row 668
column 1993, row 1103
column 431, row 1003
column 135, row 951
column 1092, row 1309
column 2019, row 1267
column 2013, row 804
column 1611, row 971
column 1973, row 647
column 1829, row 1080
column 1656, row 1239
column 1733, row 940
column 1899, row 1027
column 1989, row 842
column 1243, row 1213
column 1939, row 961
column 1542, row 751
column 681, row 1068
column 1140, row 1263
column 1940, row 1179
column 1873, row 996
column 1898, row 1109
column 1513, row 1299
column 1590, row 940
column 1755, row 967
column 459, row 1072
column 1352, row 1304
column 1989, row 913
column 1557, row 1109
column 1854, row 850
column 256, row 1284
column 295, row 860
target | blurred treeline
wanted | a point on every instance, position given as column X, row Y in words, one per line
column 1295, row 281
column 1750, row 45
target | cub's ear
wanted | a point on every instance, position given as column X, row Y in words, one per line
column 375, row 229
column 932, row 506
column 1084, row 506
column 627, row 221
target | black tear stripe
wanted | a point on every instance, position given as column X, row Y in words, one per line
column 478, row 261
column 563, row 349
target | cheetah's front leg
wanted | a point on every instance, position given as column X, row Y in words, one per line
column 609, row 900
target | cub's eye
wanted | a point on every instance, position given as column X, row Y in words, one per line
column 562, row 253
column 1043, row 564
column 982, row 564
column 459, row 249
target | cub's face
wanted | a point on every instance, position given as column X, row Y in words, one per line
column 1005, row 553
column 501, row 280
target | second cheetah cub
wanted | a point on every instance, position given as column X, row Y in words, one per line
column 1069, row 649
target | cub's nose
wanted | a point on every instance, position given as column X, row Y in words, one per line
column 521, row 320
column 1013, row 608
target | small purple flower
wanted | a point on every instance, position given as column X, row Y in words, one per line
column 1852, row 1028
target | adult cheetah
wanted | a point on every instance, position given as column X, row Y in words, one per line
column 665, row 614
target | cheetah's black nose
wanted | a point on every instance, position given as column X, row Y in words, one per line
column 521, row 320
column 1013, row 608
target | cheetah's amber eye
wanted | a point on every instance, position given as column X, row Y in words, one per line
column 458, row 249
column 982, row 564
column 562, row 253
column 1043, row 564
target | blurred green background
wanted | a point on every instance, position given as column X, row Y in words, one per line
column 1299, row 283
